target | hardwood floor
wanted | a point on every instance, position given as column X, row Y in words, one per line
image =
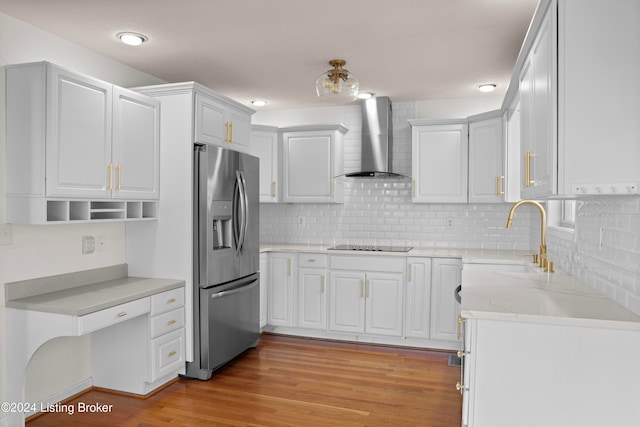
column 297, row 382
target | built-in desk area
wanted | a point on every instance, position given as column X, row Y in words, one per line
column 137, row 327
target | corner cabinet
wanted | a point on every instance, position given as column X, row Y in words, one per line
column 486, row 158
column 439, row 161
column 265, row 145
column 78, row 149
column 312, row 156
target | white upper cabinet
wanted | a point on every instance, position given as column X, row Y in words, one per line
column 221, row 124
column 439, row 164
column 538, row 102
column 265, row 146
column 312, row 156
column 486, row 159
column 74, row 143
column 579, row 135
column 136, row 145
column 78, row 129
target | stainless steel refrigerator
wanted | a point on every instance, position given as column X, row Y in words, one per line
column 226, row 258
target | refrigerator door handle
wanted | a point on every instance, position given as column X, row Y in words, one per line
column 240, row 216
column 245, row 210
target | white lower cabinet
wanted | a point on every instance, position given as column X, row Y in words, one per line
column 364, row 300
column 167, row 333
column 543, row 375
column 312, row 295
column 395, row 300
column 143, row 364
column 280, row 289
column 445, row 309
column 418, row 297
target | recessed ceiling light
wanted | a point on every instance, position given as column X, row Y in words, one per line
column 259, row 102
column 364, row 95
column 132, row 39
column 488, row 87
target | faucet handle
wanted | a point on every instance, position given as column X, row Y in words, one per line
column 535, row 258
column 549, row 267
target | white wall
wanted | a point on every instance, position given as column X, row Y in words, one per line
column 38, row 251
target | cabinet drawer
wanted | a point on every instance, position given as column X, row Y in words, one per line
column 312, row 260
column 167, row 354
column 167, row 301
column 368, row 263
column 112, row 315
column 167, row 322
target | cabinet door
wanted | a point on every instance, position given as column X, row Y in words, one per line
column 347, row 306
column 486, row 161
column 210, row 125
column 136, row 145
column 280, row 290
column 538, row 94
column 264, row 145
column 312, row 300
column 78, row 156
column 240, row 131
column 308, row 167
column 440, row 158
column 444, row 308
column 418, row 297
column 384, row 303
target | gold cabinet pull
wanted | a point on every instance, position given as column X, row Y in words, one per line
column 528, row 182
column 231, row 132
column 171, row 322
column 119, row 169
column 110, row 167
column 460, row 323
column 173, row 353
column 499, row 185
column 171, row 300
column 121, row 314
column 273, row 189
column 461, row 353
column 460, row 387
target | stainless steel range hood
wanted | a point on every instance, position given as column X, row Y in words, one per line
column 377, row 140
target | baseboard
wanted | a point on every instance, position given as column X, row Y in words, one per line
column 61, row 396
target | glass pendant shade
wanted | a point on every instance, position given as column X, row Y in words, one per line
column 337, row 84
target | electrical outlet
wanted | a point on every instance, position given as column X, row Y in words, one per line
column 88, row 244
column 601, row 244
column 301, row 221
column 6, row 234
column 449, row 223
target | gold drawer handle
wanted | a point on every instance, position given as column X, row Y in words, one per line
column 173, row 353
column 171, row 301
column 460, row 323
column 122, row 314
column 171, row 322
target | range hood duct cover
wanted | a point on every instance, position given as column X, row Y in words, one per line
column 377, row 139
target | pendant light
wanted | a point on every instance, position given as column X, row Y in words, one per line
column 337, row 84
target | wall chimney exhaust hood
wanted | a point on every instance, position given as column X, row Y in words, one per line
column 377, row 140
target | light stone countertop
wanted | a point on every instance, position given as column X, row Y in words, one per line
column 84, row 292
column 538, row 297
column 491, row 256
column 535, row 296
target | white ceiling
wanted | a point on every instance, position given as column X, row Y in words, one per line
column 275, row 49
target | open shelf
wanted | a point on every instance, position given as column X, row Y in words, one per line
column 100, row 210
